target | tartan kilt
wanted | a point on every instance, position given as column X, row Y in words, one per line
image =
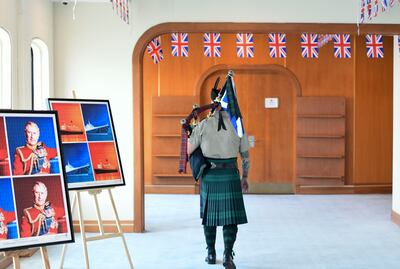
column 221, row 198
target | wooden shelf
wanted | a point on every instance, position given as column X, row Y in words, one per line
column 167, row 135
column 167, row 155
column 316, row 176
column 322, row 156
column 170, row 115
column 321, row 133
column 319, row 136
column 321, row 116
column 172, row 175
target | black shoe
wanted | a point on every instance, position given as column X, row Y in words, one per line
column 211, row 257
column 228, row 260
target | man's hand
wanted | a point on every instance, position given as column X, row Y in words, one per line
column 245, row 184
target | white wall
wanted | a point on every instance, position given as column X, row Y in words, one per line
column 396, row 129
column 25, row 20
column 93, row 57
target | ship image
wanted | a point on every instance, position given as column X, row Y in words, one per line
column 98, row 133
column 102, row 129
column 77, row 171
column 105, row 168
column 70, row 129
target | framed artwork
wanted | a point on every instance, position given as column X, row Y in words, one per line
column 89, row 145
column 34, row 201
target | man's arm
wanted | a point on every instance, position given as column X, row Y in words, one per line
column 245, row 170
column 25, row 227
column 18, row 166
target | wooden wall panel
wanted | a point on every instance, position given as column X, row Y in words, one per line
column 373, row 115
column 325, row 76
column 150, row 89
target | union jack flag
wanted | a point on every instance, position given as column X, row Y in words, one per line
column 309, row 45
column 362, row 15
column 369, row 9
column 180, row 44
column 374, row 46
column 212, row 44
column 122, row 9
column 323, row 39
column 376, row 7
column 342, row 46
column 277, row 45
column 384, row 5
column 244, row 45
column 155, row 51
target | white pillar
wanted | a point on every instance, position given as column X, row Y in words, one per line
column 396, row 127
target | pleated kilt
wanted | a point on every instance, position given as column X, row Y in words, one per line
column 221, row 196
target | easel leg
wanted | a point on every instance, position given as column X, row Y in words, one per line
column 120, row 229
column 16, row 262
column 82, row 226
column 65, row 245
column 45, row 258
column 99, row 220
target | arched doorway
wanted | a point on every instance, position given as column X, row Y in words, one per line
column 271, row 131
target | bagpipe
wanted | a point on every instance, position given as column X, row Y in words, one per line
column 196, row 159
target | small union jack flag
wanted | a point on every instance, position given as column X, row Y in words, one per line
column 362, row 15
column 244, row 45
column 323, row 39
column 342, row 46
column 212, row 45
column 374, row 46
column 369, row 9
column 180, row 44
column 384, row 5
column 376, row 7
column 277, row 45
column 309, row 45
column 155, row 51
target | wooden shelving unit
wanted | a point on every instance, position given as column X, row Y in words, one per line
column 320, row 141
column 167, row 111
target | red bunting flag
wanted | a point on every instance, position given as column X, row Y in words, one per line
column 362, row 15
column 121, row 7
column 384, row 5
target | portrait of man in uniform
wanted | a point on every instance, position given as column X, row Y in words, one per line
column 6, row 217
column 41, row 218
column 4, row 158
column 8, row 226
column 33, row 157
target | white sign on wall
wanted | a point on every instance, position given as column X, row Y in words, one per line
column 271, row 102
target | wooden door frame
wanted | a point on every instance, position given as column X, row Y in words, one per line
column 222, row 27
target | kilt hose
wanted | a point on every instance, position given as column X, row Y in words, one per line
column 221, row 199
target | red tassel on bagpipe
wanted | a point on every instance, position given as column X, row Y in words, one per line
column 183, row 155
